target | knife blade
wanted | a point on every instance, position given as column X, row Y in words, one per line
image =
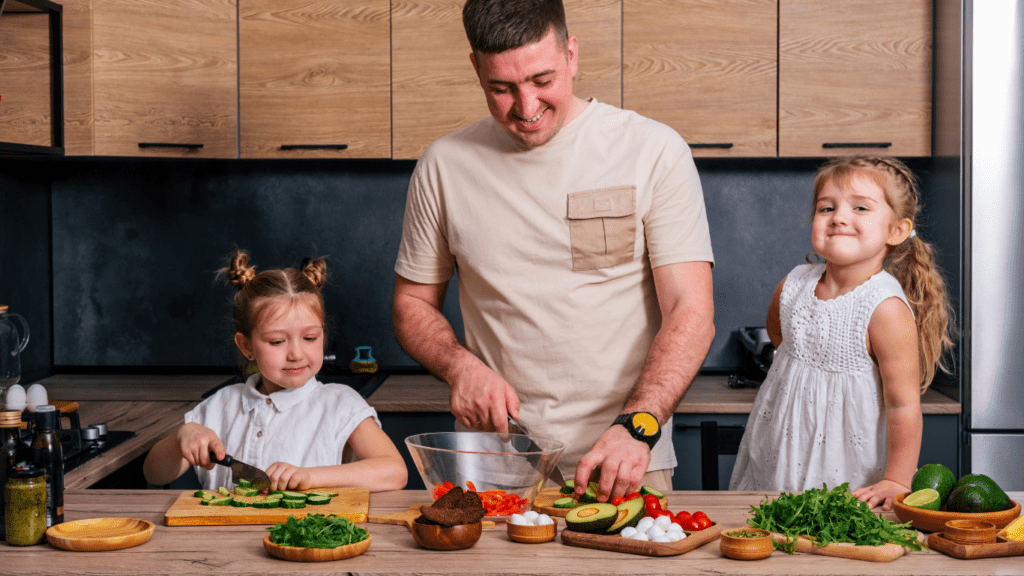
column 243, row 471
column 516, row 428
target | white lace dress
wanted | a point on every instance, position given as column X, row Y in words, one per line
column 819, row 417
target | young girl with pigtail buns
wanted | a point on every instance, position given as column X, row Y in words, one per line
column 858, row 340
column 281, row 419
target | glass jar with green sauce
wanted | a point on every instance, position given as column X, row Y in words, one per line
column 25, row 506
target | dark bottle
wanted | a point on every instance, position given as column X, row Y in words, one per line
column 10, row 449
column 48, row 455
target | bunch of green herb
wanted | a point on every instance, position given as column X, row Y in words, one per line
column 830, row 516
column 316, row 531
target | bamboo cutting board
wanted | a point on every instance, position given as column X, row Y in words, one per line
column 352, row 504
column 883, row 553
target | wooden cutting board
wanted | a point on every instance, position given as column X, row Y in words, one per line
column 937, row 541
column 352, row 504
column 545, row 498
column 883, row 553
column 616, row 543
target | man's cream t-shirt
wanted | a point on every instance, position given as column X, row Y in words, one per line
column 554, row 247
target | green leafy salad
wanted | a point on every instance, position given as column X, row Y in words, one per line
column 830, row 516
column 316, row 531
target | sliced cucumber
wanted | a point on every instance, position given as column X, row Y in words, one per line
column 295, row 495
column 244, row 483
column 245, row 491
column 648, row 490
column 567, row 502
column 240, row 503
column 320, row 493
column 317, row 500
column 267, row 503
column 570, row 485
column 288, row 503
column 224, row 491
column 222, row 501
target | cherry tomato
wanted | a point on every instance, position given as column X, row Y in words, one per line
column 633, row 495
column 690, row 524
column 617, row 500
column 651, row 506
column 648, row 498
column 665, row 513
column 704, row 521
column 684, row 515
column 699, row 514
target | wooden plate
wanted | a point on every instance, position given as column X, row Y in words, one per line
column 1001, row 547
column 616, row 543
column 883, row 553
column 298, row 554
column 935, row 521
column 95, row 534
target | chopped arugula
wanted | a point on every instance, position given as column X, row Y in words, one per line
column 316, row 531
column 830, row 516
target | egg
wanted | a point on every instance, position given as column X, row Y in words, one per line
column 518, row 519
column 36, row 396
column 15, row 398
column 544, row 520
column 531, row 515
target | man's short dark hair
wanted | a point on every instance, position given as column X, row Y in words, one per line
column 494, row 26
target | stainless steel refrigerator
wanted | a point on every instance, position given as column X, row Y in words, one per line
column 993, row 291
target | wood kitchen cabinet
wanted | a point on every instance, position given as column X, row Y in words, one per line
column 25, row 88
column 855, row 77
column 314, row 78
column 707, row 69
column 434, row 88
column 165, row 78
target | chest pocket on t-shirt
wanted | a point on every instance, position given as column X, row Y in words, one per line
column 602, row 227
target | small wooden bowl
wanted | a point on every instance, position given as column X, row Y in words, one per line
column 299, row 554
column 742, row 548
column 533, row 534
column 96, row 534
column 970, row 531
column 436, row 537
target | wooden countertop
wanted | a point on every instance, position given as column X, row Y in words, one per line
column 238, row 550
column 707, row 395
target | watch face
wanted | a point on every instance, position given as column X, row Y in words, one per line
column 644, row 423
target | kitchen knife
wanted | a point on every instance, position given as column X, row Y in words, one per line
column 515, row 427
column 243, row 471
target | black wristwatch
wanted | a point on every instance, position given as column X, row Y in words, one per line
column 641, row 425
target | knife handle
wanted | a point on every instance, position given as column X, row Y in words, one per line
column 225, row 462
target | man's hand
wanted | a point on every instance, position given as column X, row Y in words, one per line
column 482, row 400
column 621, row 459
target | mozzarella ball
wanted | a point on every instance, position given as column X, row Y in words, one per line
column 674, row 528
column 655, row 531
column 675, row 536
column 530, row 515
column 628, row 532
column 518, row 519
column 660, row 539
column 663, row 522
column 544, row 520
column 640, row 536
column 645, row 523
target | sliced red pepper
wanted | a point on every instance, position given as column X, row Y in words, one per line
column 633, row 495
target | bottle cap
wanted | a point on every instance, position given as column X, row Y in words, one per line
column 47, row 419
column 10, row 419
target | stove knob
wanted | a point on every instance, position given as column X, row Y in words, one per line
column 101, row 428
column 90, row 433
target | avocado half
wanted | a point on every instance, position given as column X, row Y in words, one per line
column 629, row 514
column 594, row 518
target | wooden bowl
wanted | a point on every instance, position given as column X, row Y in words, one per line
column 300, row 554
column 970, row 531
column 95, row 534
column 436, row 537
column 533, row 534
column 935, row 521
column 743, row 548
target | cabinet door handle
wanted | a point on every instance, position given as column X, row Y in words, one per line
column 314, row 146
column 713, row 145
column 168, row 145
column 856, row 144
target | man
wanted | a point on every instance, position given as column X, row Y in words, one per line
column 584, row 260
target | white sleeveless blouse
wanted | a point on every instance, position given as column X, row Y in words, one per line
column 819, row 417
